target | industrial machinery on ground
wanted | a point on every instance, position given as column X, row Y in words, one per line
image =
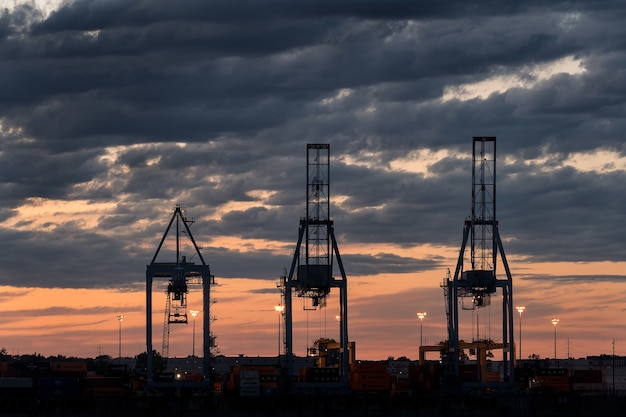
column 179, row 274
column 311, row 272
column 473, row 287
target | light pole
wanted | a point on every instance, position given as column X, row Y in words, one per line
column 421, row 317
column 120, row 318
column 554, row 323
column 520, row 309
column 194, row 313
column 279, row 309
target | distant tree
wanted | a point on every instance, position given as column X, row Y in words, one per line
column 141, row 362
column 534, row 356
column 102, row 364
column 34, row 357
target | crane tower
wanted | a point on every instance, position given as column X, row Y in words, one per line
column 311, row 272
column 474, row 287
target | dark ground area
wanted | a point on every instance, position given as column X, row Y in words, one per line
column 363, row 405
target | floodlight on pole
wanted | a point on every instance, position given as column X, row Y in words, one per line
column 120, row 318
column 554, row 323
column 421, row 317
column 520, row 309
column 194, row 313
column 279, row 309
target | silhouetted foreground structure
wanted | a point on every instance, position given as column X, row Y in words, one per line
column 248, row 386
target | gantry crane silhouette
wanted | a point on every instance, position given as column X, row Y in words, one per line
column 311, row 272
column 179, row 273
column 478, row 283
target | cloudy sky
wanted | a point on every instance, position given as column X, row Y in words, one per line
column 112, row 112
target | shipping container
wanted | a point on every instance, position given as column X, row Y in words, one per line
column 552, row 372
column 369, row 366
column 19, row 382
column 58, row 387
column 369, row 381
column 556, row 383
column 319, row 374
column 104, row 392
column 588, row 387
column 586, row 376
column 491, row 376
column 5, row 369
column 73, row 367
column 249, row 383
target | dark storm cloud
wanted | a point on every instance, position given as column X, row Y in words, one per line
column 31, row 172
column 65, row 311
column 193, row 78
column 578, row 278
column 245, row 85
column 365, row 265
column 67, row 257
column 566, row 215
column 266, row 265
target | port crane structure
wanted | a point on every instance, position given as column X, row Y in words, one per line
column 473, row 287
column 311, row 272
column 179, row 274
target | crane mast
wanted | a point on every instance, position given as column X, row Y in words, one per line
column 311, row 273
column 473, row 288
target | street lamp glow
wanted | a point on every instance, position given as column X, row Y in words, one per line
column 554, row 323
column 520, row 309
column 421, row 317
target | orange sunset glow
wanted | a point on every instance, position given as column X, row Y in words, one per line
column 82, row 322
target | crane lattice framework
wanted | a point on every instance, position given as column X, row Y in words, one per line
column 481, row 281
column 179, row 274
column 311, row 272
